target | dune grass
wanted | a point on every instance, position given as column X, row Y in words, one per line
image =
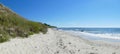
column 12, row 25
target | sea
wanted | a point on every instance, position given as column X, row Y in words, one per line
column 107, row 34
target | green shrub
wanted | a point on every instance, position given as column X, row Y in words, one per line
column 4, row 38
column 12, row 25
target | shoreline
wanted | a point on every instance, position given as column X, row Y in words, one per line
column 96, row 37
column 110, row 42
column 57, row 42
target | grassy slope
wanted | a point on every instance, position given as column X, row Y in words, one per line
column 13, row 25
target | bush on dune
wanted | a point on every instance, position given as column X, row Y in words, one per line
column 12, row 25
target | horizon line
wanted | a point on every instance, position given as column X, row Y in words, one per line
column 88, row 27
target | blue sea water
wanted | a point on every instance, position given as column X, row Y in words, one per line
column 109, row 34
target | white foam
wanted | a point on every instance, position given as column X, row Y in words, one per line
column 108, row 36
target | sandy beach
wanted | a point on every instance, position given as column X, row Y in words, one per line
column 57, row 42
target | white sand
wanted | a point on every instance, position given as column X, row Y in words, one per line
column 57, row 42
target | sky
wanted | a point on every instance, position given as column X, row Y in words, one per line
column 69, row 13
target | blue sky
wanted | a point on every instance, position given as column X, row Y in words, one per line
column 69, row 13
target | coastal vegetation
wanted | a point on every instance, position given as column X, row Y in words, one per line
column 12, row 25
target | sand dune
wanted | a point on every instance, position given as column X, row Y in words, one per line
column 57, row 42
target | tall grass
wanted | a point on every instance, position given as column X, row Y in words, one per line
column 12, row 25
